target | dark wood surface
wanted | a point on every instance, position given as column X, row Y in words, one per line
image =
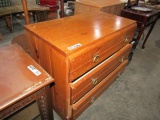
column 19, row 86
column 143, row 19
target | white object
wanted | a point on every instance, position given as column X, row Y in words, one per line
column 142, row 9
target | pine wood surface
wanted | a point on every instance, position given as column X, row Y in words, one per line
column 109, row 6
column 100, row 34
column 87, row 28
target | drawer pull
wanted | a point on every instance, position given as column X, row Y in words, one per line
column 94, row 81
column 95, row 58
column 92, row 100
column 122, row 58
column 126, row 39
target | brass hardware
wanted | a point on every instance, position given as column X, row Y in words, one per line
column 126, row 39
column 122, row 59
column 94, row 81
column 92, row 100
column 95, row 58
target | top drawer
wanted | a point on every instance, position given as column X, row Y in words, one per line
column 89, row 57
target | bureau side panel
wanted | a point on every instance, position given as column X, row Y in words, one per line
column 61, row 92
column 40, row 51
column 57, row 66
column 32, row 45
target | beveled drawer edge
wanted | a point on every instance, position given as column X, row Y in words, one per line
column 103, row 62
column 94, row 68
column 110, row 64
column 103, row 84
column 90, row 64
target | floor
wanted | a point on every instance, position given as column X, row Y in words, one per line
column 134, row 96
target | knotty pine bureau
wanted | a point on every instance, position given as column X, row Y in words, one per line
column 84, row 54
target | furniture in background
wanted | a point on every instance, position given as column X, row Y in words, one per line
column 39, row 12
column 8, row 12
column 109, row 6
column 143, row 19
column 84, row 53
column 23, row 81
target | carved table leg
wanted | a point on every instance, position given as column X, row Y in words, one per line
column 45, row 104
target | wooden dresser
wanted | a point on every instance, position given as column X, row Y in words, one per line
column 84, row 53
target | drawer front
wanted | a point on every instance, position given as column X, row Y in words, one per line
column 85, row 83
column 90, row 97
column 90, row 56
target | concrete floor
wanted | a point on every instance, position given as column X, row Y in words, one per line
column 134, row 96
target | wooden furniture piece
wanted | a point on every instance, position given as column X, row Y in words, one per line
column 84, row 53
column 38, row 12
column 143, row 19
column 109, row 6
column 23, row 81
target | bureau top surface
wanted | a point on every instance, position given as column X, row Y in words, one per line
column 72, row 33
column 19, row 75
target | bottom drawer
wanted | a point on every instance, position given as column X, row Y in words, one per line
column 90, row 97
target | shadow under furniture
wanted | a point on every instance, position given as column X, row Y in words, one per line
column 23, row 81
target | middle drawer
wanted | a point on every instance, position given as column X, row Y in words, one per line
column 89, row 80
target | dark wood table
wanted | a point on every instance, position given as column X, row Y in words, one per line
column 143, row 19
column 39, row 13
column 23, row 81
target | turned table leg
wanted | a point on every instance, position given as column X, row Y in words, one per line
column 8, row 22
column 149, row 32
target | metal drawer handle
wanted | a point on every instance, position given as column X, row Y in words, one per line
column 126, row 39
column 95, row 58
column 94, row 81
column 92, row 100
column 122, row 58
